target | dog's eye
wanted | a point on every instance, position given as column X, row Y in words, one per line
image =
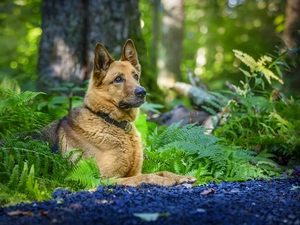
column 118, row 79
column 136, row 76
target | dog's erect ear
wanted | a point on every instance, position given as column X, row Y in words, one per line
column 102, row 60
column 129, row 54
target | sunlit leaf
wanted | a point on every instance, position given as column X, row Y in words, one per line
column 148, row 217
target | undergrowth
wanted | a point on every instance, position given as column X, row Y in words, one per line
column 189, row 151
column 259, row 129
column 28, row 169
column 260, row 117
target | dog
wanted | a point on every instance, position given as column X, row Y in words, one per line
column 103, row 126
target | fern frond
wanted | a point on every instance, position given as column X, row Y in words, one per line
column 186, row 149
column 23, row 179
column 33, row 189
column 259, row 66
column 86, row 173
column 24, row 183
column 246, row 59
column 17, row 155
column 10, row 99
column 209, row 110
column 18, row 117
column 13, row 180
column 269, row 74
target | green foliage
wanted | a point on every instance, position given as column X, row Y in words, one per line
column 28, row 168
column 16, row 115
column 64, row 98
column 144, row 127
column 259, row 70
column 87, row 174
column 151, row 107
column 260, row 120
column 20, row 152
column 20, row 33
column 188, row 150
column 214, row 28
column 17, row 150
column 46, row 169
column 214, row 105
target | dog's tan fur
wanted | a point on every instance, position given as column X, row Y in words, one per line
column 118, row 152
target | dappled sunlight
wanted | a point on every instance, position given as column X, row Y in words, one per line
column 142, row 24
column 201, row 59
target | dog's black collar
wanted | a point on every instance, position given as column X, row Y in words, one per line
column 125, row 125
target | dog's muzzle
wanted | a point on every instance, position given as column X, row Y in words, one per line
column 140, row 92
column 139, row 99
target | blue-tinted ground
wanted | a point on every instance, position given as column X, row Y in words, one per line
column 252, row 202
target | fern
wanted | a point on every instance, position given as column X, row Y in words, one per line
column 257, row 66
column 16, row 115
column 28, row 168
column 24, row 185
column 47, row 170
column 31, row 171
column 259, row 120
column 11, row 197
column 87, row 174
column 16, row 151
column 34, row 192
column 188, row 150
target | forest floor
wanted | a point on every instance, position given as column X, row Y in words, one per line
column 251, row 202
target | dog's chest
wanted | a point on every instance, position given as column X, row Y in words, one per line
column 116, row 152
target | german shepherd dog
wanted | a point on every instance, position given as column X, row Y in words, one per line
column 103, row 126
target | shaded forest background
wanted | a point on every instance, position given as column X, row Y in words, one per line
column 173, row 38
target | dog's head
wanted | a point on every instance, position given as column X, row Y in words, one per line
column 114, row 84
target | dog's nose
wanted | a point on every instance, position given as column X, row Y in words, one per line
column 140, row 92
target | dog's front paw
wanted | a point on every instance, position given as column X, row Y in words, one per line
column 186, row 180
column 160, row 178
column 130, row 182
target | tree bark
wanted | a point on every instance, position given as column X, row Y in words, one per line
column 171, row 43
column 61, row 47
column 292, row 24
column 155, row 32
column 291, row 37
column 111, row 23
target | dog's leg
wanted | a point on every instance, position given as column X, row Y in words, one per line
column 161, row 178
column 181, row 179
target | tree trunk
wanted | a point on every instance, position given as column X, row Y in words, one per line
column 171, row 43
column 155, row 32
column 292, row 24
column 72, row 28
column 112, row 23
column 291, row 37
column 62, row 43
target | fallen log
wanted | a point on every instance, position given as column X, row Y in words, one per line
column 197, row 95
